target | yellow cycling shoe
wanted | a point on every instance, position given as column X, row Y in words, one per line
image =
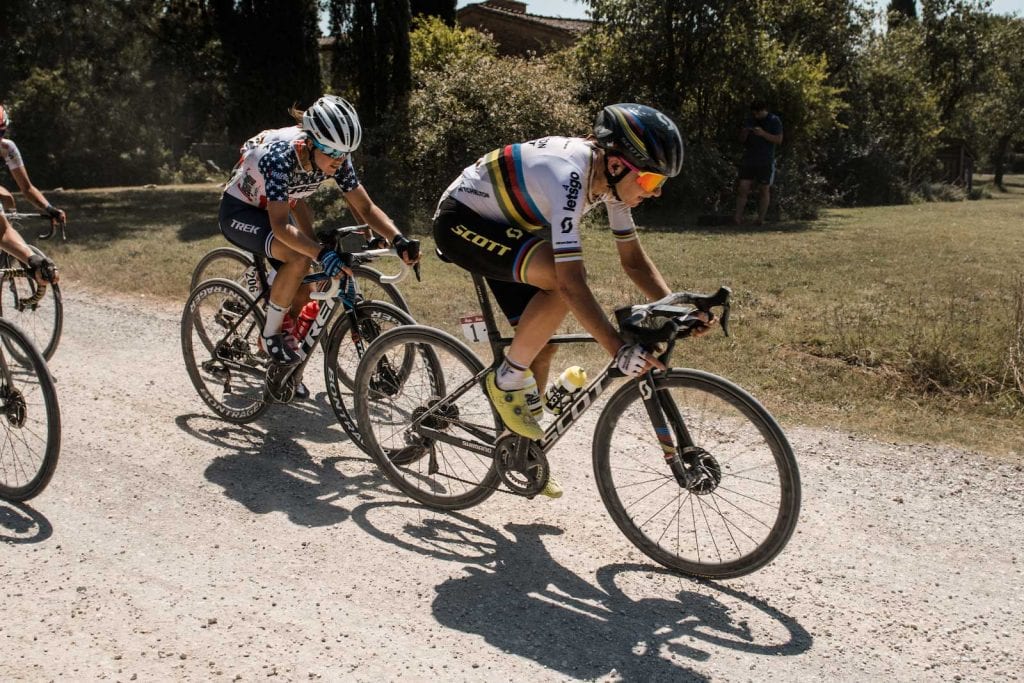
column 552, row 489
column 511, row 405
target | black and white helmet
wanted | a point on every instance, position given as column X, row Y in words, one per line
column 333, row 123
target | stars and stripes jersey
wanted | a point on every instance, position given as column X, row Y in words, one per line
column 270, row 171
column 10, row 154
column 541, row 186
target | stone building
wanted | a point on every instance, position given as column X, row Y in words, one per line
column 518, row 33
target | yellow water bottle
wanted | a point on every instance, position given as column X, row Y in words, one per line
column 564, row 389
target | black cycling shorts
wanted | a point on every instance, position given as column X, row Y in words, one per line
column 762, row 173
column 497, row 251
column 247, row 227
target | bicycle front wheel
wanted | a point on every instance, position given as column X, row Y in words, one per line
column 368, row 280
column 346, row 344
column 744, row 508
column 220, row 334
column 29, row 415
column 42, row 320
column 404, row 377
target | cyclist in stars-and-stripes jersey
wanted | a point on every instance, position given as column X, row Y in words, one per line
column 514, row 217
column 264, row 209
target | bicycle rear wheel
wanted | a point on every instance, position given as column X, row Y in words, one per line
column 428, row 469
column 41, row 321
column 746, row 508
column 228, row 263
column 29, row 418
column 220, row 334
column 346, row 344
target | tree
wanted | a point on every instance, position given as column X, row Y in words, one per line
column 901, row 11
column 442, row 9
column 272, row 58
column 372, row 44
column 1000, row 109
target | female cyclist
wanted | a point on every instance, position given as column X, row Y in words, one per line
column 514, row 217
column 12, row 157
column 264, row 210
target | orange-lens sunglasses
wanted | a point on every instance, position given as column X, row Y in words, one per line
column 648, row 182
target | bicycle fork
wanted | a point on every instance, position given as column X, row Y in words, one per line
column 658, row 403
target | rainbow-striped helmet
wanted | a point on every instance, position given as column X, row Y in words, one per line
column 643, row 135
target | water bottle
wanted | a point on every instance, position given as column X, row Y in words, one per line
column 306, row 317
column 564, row 389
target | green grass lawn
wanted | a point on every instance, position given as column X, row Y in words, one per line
column 892, row 321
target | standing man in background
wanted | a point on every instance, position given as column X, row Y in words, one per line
column 759, row 135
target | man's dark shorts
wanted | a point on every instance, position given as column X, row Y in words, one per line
column 764, row 174
column 498, row 252
column 247, row 227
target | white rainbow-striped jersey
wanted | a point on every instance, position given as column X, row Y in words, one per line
column 541, row 186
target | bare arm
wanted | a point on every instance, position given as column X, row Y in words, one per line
column 572, row 287
column 362, row 207
column 774, row 139
column 30, row 191
column 641, row 270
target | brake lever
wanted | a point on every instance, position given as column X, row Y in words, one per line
column 724, row 320
column 416, row 271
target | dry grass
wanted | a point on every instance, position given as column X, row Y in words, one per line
column 902, row 322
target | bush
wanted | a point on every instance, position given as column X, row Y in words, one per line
column 474, row 105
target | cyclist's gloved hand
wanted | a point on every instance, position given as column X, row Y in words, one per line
column 42, row 268
column 631, row 360
column 56, row 214
column 332, row 262
column 408, row 250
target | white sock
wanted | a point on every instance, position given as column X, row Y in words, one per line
column 275, row 319
column 510, row 375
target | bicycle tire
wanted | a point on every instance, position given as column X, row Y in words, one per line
column 344, row 351
column 231, row 264
column 436, row 474
column 22, row 475
column 371, row 287
column 42, row 322
column 745, row 443
column 241, row 365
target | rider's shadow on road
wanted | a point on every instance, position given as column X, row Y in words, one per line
column 522, row 601
column 268, row 471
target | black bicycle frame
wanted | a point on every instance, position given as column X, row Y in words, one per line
column 657, row 403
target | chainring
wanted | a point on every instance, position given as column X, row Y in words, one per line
column 523, row 478
column 281, row 383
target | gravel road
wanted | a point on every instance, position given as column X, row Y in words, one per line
column 174, row 546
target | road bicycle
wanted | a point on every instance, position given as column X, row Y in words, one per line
column 235, row 264
column 222, row 346
column 694, row 471
column 37, row 308
column 29, row 413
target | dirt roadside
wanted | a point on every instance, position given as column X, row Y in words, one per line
column 173, row 546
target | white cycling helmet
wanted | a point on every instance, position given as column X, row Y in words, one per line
column 333, row 123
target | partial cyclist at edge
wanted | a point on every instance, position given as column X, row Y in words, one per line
column 39, row 267
column 264, row 210
column 514, row 217
column 11, row 155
